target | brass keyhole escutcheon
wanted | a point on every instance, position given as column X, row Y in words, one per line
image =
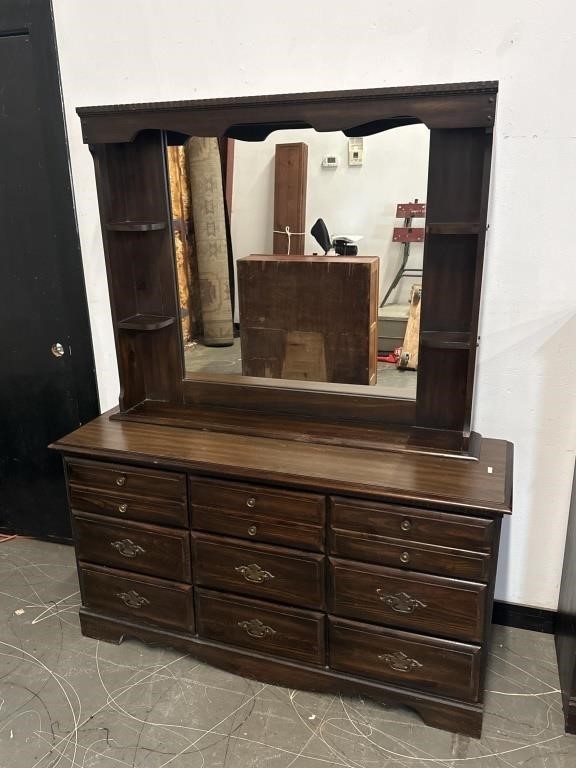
column 252, row 530
column 121, row 480
column 57, row 349
column 251, row 502
column 405, row 557
column 122, row 508
column 405, row 525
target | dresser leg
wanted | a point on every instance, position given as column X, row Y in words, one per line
column 450, row 718
column 99, row 630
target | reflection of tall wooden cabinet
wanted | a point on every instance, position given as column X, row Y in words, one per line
column 294, row 532
column 309, row 318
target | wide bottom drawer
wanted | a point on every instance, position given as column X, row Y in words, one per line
column 444, row 667
column 142, row 598
column 264, row 627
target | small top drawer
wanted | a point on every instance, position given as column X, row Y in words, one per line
column 411, row 524
column 135, row 481
column 258, row 513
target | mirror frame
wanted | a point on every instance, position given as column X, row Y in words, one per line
column 128, row 143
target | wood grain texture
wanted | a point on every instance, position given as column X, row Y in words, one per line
column 413, row 479
column 290, row 186
column 128, row 507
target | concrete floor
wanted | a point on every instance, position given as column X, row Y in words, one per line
column 68, row 701
column 200, row 359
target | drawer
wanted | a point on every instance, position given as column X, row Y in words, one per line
column 271, row 573
column 260, row 514
column 409, row 600
column 128, row 481
column 142, row 598
column 263, row 627
column 125, row 507
column 442, row 667
column 458, row 563
column 409, row 524
column 162, row 552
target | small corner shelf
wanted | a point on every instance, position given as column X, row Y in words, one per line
column 446, row 339
column 453, row 228
column 135, row 226
column 145, row 322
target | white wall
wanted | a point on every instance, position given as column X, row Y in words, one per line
column 118, row 51
column 358, row 200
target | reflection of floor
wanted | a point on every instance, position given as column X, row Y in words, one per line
column 201, row 359
column 67, row 700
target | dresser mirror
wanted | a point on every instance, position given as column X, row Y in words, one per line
column 140, row 222
column 355, row 186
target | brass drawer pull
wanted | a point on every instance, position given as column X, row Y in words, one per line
column 255, row 628
column 132, row 599
column 405, row 557
column 399, row 661
column 401, row 602
column 405, row 525
column 251, row 502
column 121, row 480
column 252, row 530
column 122, row 508
column 127, row 548
column 254, row 573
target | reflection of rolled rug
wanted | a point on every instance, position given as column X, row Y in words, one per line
column 210, row 236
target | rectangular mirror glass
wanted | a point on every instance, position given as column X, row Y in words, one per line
column 299, row 258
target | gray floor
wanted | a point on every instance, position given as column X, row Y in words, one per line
column 66, row 700
column 200, row 359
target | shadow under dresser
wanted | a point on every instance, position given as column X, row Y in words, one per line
column 309, row 566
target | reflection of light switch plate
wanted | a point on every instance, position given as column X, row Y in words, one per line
column 330, row 161
column 356, row 151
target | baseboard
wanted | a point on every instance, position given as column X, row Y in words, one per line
column 524, row 617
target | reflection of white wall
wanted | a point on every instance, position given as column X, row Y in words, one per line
column 116, row 51
column 358, row 200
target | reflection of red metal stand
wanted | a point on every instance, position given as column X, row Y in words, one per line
column 407, row 234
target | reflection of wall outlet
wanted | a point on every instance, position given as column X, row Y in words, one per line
column 330, row 161
column 356, row 151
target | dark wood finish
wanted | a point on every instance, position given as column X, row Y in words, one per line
column 142, row 598
column 139, row 547
column 145, row 323
column 309, row 318
column 127, row 480
column 431, row 604
column 524, row 617
column 566, row 623
column 129, row 143
column 42, row 286
column 127, row 507
column 263, row 627
column 135, row 226
column 290, row 185
column 258, row 513
column 415, row 661
column 269, row 573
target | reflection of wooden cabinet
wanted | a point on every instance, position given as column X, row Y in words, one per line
column 310, row 318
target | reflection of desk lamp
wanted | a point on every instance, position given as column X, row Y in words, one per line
column 344, row 246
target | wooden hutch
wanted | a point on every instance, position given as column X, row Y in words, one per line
column 315, row 536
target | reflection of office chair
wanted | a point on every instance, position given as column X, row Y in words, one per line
column 407, row 234
column 344, row 246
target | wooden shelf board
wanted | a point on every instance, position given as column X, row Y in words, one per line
column 453, row 228
column 135, row 226
column 145, row 322
column 445, row 339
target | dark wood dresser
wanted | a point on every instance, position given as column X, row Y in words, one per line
column 566, row 622
column 311, row 566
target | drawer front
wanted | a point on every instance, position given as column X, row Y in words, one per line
column 127, row 508
column 161, row 552
column 442, row 667
column 143, row 599
column 259, row 514
column 263, row 627
column 408, row 524
column 271, row 573
column 432, row 604
column 411, row 555
column 127, row 480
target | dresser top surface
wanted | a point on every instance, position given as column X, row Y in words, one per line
column 453, row 483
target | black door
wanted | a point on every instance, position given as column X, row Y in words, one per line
column 47, row 381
